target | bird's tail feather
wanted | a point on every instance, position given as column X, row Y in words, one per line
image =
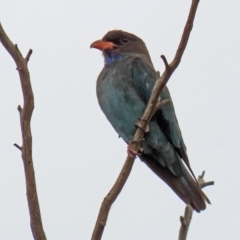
column 184, row 186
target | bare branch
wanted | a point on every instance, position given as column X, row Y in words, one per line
column 28, row 55
column 162, row 103
column 17, row 146
column 206, row 184
column 25, row 118
column 165, row 61
column 19, row 108
column 159, row 105
column 186, row 220
column 159, row 85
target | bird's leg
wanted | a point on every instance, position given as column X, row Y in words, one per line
column 141, row 123
column 133, row 153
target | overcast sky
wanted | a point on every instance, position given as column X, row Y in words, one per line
column 77, row 155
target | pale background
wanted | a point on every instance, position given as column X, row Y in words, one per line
column 77, row 155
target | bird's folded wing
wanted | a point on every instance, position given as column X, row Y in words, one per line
column 144, row 77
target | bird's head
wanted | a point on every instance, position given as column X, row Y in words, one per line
column 118, row 44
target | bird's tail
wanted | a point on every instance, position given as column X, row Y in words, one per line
column 184, row 186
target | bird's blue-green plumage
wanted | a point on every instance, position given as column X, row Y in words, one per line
column 123, row 89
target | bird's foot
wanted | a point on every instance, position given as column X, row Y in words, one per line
column 141, row 124
column 133, row 153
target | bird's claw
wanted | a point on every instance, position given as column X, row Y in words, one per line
column 141, row 125
column 133, row 153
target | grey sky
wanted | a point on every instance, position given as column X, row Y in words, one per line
column 77, row 155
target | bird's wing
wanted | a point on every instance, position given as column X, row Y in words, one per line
column 144, row 78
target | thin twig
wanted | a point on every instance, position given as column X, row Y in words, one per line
column 25, row 118
column 159, row 105
column 165, row 61
column 162, row 103
column 186, row 219
column 19, row 108
column 28, row 55
column 159, row 85
column 17, row 146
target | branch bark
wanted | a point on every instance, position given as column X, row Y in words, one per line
column 25, row 119
column 186, row 219
column 138, row 137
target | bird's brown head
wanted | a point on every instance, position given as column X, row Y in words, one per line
column 118, row 44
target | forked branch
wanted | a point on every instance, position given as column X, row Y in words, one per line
column 26, row 148
column 186, row 219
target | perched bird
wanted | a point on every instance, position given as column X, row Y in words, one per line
column 124, row 87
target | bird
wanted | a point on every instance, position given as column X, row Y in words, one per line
column 123, row 89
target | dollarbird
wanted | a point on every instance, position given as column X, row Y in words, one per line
column 124, row 87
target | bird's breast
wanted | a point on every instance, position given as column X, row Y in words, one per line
column 119, row 99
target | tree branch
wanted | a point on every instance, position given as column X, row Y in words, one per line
column 25, row 118
column 138, row 137
column 186, row 220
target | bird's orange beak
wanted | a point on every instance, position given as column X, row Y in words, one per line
column 102, row 45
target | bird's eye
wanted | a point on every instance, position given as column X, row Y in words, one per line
column 124, row 40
